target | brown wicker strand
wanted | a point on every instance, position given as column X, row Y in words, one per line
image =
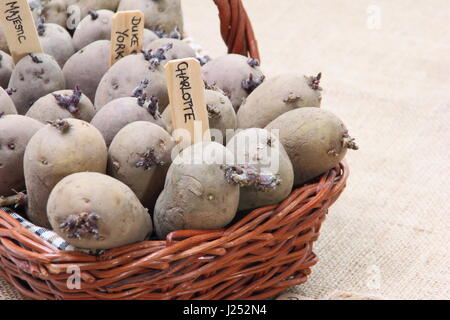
column 236, row 28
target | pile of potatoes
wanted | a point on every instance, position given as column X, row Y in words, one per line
column 92, row 146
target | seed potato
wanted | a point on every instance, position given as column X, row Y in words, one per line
column 276, row 96
column 94, row 211
column 315, row 140
column 61, row 105
column 34, row 76
column 196, row 193
column 87, row 67
column 15, row 132
column 57, row 150
column 139, row 156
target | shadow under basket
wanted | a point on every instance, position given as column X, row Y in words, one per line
column 259, row 256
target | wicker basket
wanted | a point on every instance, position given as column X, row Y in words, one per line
column 257, row 257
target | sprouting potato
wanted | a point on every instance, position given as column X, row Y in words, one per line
column 95, row 26
column 61, row 105
column 197, row 194
column 237, row 76
column 34, row 76
column 126, row 74
column 262, row 168
column 279, row 95
column 315, row 140
column 94, row 211
column 139, row 156
column 56, row 151
column 179, row 49
column 56, row 42
column 87, row 67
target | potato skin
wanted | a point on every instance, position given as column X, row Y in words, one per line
column 222, row 116
column 110, row 119
column 314, row 140
column 165, row 14
column 57, row 42
column 179, row 48
column 262, row 150
column 121, row 219
column 87, row 67
column 47, row 108
column 6, row 68
column 127, row 161
column 196, row 194
column 15, row 132
column 52, row 155
column 33, row 80
column 149, row 37
column 276, row 96
column 6, row 104
column 55, row 11
column 3, row 44
column 125, row 75
column 90, row 29
column 228, row 73
column 86, row 5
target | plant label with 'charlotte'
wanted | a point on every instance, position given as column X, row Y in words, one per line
column 19, row 28
column 127, row 34
column 187, row 99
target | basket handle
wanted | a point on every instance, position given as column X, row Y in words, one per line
column 236, row 28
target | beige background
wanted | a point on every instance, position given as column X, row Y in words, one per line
column 389, row 234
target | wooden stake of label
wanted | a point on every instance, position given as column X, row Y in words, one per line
column 19, row 28
column 127, row 34
column 187, row 100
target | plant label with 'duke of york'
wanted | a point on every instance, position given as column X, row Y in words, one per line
column 187, row 100
column 19, row 28
column 127, row 34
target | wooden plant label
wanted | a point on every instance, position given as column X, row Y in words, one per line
column 19, row 28
column 187, row 100
column 127, row 34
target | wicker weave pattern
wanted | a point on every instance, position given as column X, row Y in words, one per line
column 267, row 251
column 236, row 28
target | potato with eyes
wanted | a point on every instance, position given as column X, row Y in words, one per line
column 15, row 133
column 118, row 113
column 34, row 76
column 315, row 139
column 236, row 75
column 56, row 41
column 87, row 67
column 279, row 95
column 94, row 211
column 126, row 74
column 95, row 26
column 59, row 149
column 139, row 156
column 197, row 193
column 61, row 105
